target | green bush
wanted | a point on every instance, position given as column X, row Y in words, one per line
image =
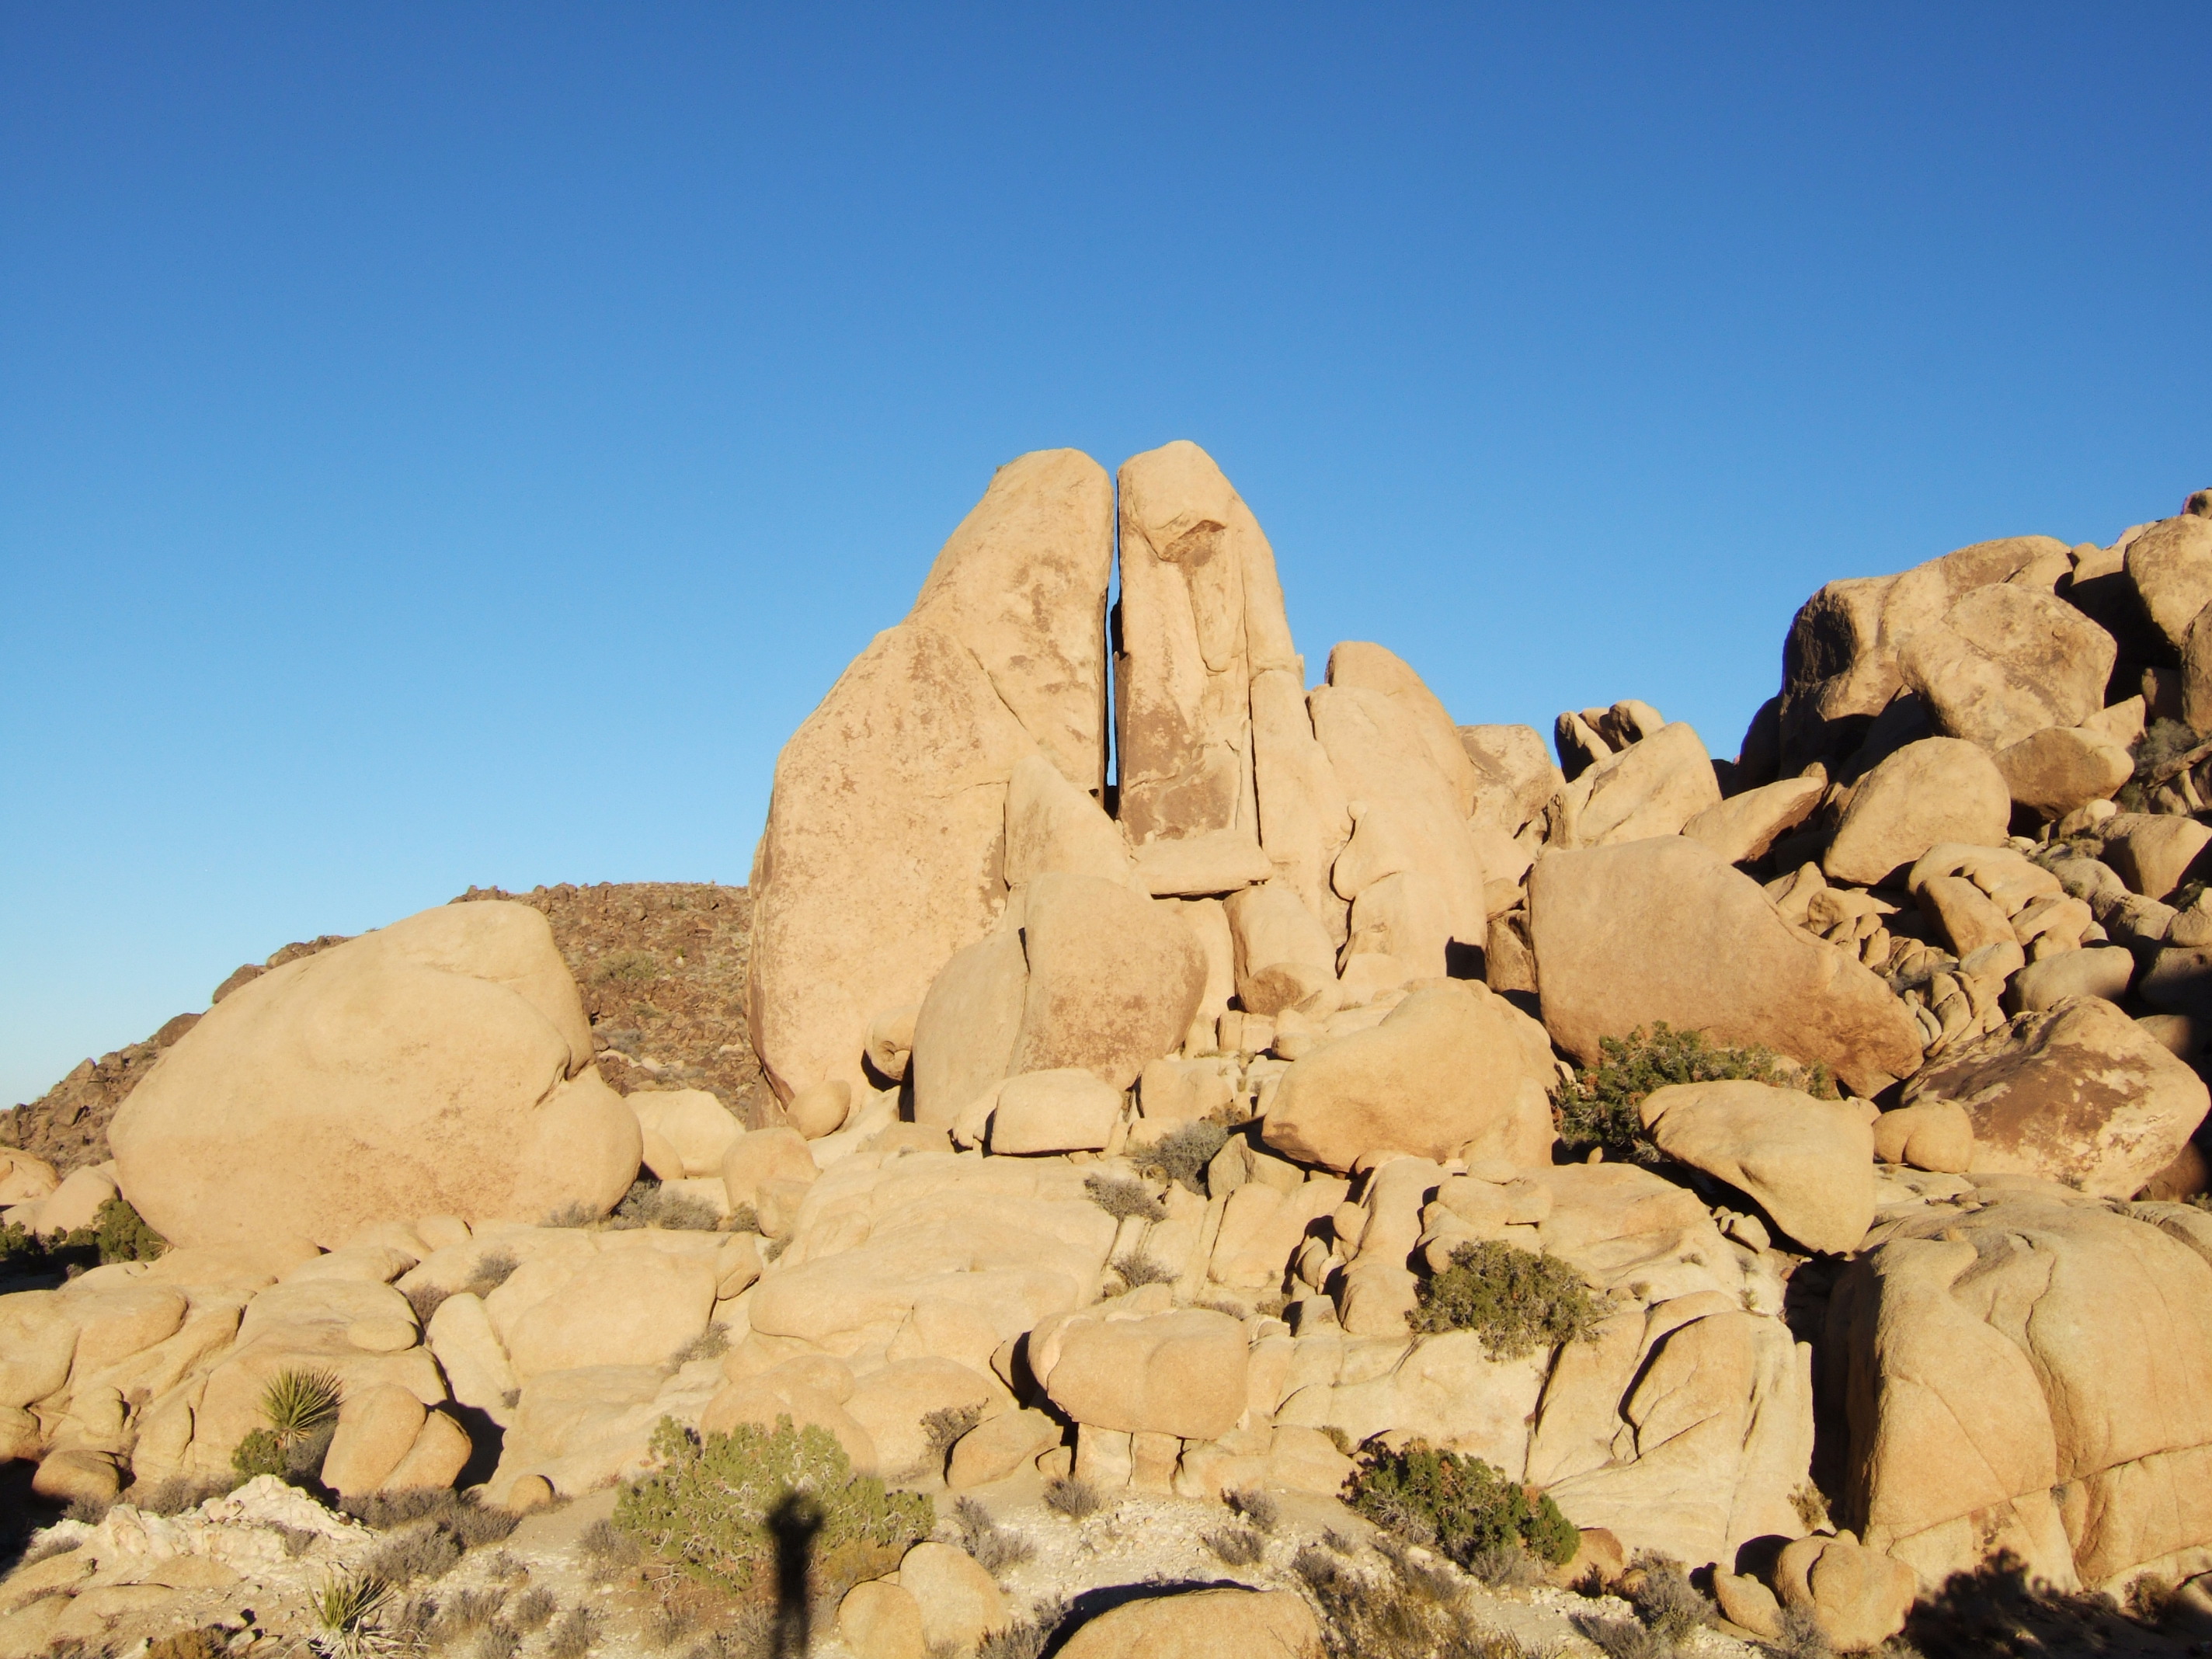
column 1516, row 1302
column 1600, row 1108
column 707, row 1510
column 116, row 1233
column 1458, row 1505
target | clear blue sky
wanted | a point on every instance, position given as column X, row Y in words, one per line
column 450, row 444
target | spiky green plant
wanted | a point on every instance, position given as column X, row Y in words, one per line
column 297, row 1402
column 346, row 1609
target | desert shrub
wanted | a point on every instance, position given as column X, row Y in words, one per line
column 1802, row 1637
column 1316, row 1566
column 710, row 1344
column 1182, row 1154
column 941, row 1428
column 1136, row 1268
column 573, row 1634
column 420, row 1552
column 206, row 1642
column 608, row 1552
column 1122, row 1198
column 1410, row 1612
column 669, row 1623
column 534, row 1609
column 425, row 1300
column 1239, row 1547
column 709, row 1510
column 648, row 1204
column 1599, row 1108
column 1075, row 1499
column 995, row 1548
column 1341, row 1438
column 1024, row 1638
column 499, row 1641
column 1623, row 1638
column 626, row 968
column 1257, row 1505
column 179, row 1492
column 1515, row 1301
column 509, row 1568
column 1507, row 1567
column 1811, row 1506
column 410, row 1626
column 468, row 1612
column 1458, row 1504
column 345, row 1609
column 116, row 1232
column 474, row 1525
column 122, row 1235
column 297, row 1402
column 1665, row 1600
column 493, row 1269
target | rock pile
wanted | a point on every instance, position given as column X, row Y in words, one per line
column 1162, row 1050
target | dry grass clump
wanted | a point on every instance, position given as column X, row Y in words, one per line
column 1409, row 1611
column 466, row 1613
column 1122, row 1198
column 942, row 1430
column 573, row 1634
column 1136, row 1268
column 1257, row 1505
column 429, row 1552
column 1181, row 1156
column 179, row 1492
column 996, row 1549
column 710, row 1344
column 1238, row 1546
column 534, row 1609
column 1024, row 1638
column 1075, row 1499
column 1515, row 1301
column 648, row 1204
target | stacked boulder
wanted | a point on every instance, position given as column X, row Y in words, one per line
column 1129, row 1114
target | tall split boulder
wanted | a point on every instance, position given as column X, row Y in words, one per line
column 885, row 846
column 1664, row 930
column 439, row 1065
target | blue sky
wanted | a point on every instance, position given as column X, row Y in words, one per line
column 451, row 443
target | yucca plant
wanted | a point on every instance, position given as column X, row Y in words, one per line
column 299, row 1402
column 346, row 1609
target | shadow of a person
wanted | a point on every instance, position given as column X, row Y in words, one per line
column 793, row 1523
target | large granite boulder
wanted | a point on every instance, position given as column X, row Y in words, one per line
column 440, row 1065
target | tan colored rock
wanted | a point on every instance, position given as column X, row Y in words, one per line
column 436, row 1459
column 1270, row 925
column 2170, row 565
column 1201, row 612
column 1745, row 1601
column 24, row 1177
column 1966, row 915
column 998, row 1446
column 471, row 1354
column 2075, row 1093
column 1742, row 828
column 376, row 1428
column 440, row 1063
column 2006, row 662
column 1022, row 584
column 1453, row 1070
column 2154, row 854
column 1653, row 787
column 1514, row 777
column 762, row 1156
column 1304, row 818
column 1664, row 930
column 633, row 1307
column 883, row 852
column 890, row 1404
column 890, row 1041
column 1114, row 980
column 818, row 1110
column 964, row 1034
column 2063, row 769
column 1406, row 917
column 1935, row 1135
column 1809, row 1162
column 695, row 1124
column 1840, row 661
column 2103, row 972
column 1053, row 826
column 2022, row 1377
column 958, row 1598
column 1177, row 1091
column 1180, row 1373
column 882, row 1620
column 1857, row 1596
column 1209, row 1624
column 78, row 1477
column 1937, row 790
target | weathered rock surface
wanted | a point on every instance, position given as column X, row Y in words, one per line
column 2076, row 1092
column 1452, row 1071
column 2007, row 661
column 1664, row 930
column 440, row 1064
column 1209, row 1624
column 1744, row 827
column 2170, row 566
column 1937, row 790
column 1653, row 787
column 1809, row 1162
